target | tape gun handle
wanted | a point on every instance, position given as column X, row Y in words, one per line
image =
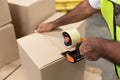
column 78, row 50
column 77, row 47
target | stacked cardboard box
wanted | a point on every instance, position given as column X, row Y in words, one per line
column 42, row 60
column 4, row 13
column 41, row 56
column 27, row 14
column 8, row 44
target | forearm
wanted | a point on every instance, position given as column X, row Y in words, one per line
column 111, row 51
column 82, row 11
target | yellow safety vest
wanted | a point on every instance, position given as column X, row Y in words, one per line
column 108, row 9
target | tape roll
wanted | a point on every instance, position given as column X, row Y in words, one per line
column 74, row 37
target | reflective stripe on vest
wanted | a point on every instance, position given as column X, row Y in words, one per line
column 108, row 12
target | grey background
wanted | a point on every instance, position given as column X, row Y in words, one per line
column 96, row 26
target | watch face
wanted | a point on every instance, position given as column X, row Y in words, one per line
column 117, row 14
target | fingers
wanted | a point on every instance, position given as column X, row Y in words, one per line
column 85, row 48
column 91, row 56
column 89, row 50
column 35, row 31
column 41, row 28
column 45, row 27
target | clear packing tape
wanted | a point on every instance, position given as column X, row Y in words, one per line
column 74, row 36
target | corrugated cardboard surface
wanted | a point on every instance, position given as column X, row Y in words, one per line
column 36, row 44
column 41, row 58
column 41, row 55
column 4, row 13
column 27, row 16
column 8, row 45
column 63, row 70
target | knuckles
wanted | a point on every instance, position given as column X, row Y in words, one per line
column 90, row 48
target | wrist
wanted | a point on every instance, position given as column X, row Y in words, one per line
column 55, row 24
column 101, row 46
column 106, row 46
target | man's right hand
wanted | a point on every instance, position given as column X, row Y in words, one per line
column 45, row 27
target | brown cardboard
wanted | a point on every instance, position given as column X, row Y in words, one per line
column 28, row 14
column 41, row 55
column 42, row 60
column 8, row 45
column 19, row 75
column 5, row 16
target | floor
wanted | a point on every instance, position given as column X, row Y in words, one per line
column 96, row 26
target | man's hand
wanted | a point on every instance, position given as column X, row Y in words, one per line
column 91, row 48
column 80, row 12
column 45, row 27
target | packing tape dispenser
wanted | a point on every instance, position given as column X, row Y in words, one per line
column 71, row 38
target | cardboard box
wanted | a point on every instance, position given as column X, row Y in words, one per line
column 19, row 75
column 42, row 60
column 27, row 14
column 8, row 45
column 41, row 55
column 5, row 16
